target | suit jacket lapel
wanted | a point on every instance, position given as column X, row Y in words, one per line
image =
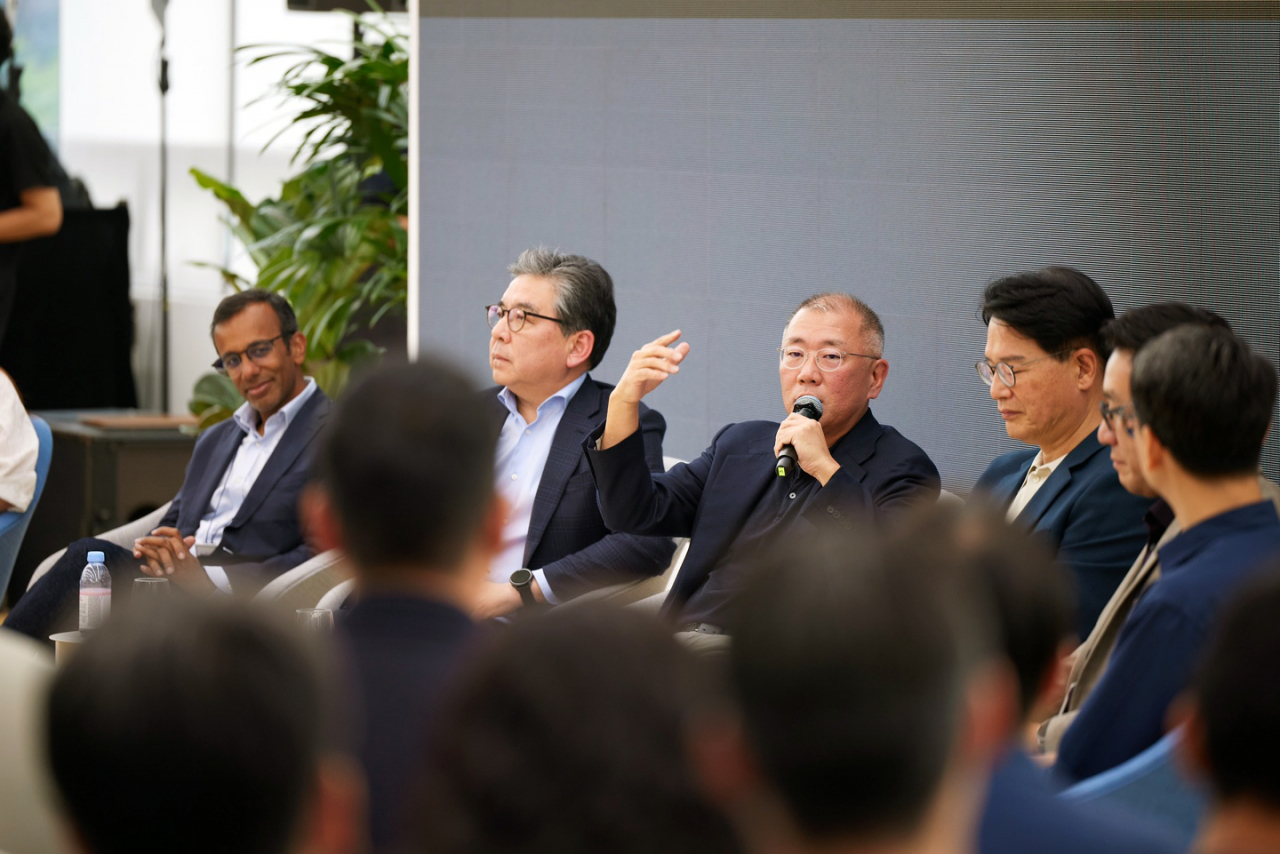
column 1043, row 499
column 580, row 416
column 296, row 438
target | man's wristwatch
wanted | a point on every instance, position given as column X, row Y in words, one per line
column 522, row 581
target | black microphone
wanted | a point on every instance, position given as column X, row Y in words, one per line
column 810, row 407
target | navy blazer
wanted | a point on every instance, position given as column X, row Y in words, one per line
column 711, row 498
column 401, row 652
column 265, row 538
column 567, row 539
column 1092, row 522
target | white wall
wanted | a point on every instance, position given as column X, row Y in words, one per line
column 110, row 115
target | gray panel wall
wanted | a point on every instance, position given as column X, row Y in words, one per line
column 722, row 170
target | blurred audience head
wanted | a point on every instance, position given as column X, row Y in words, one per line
column 204, row 728
column 1044, row 354
column 565, row 736
column 404, row 477
column 1230, row 716
column 1203, row 400
column 869, row 711
column 1125, row 337
column 1030, row 594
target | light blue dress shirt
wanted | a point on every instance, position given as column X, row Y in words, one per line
column 521, row 457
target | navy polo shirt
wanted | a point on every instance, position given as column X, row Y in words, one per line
column 1164, row 634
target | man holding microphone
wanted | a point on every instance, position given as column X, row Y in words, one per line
column 732, row 502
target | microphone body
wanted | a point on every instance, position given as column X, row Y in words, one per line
column 810, row 407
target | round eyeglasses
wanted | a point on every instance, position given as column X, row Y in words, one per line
column 515, row 316
column 828, row 359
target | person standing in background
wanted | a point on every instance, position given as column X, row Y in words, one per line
column 30, row 206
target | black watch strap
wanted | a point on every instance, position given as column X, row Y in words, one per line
column 522, row 581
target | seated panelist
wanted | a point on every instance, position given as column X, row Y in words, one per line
column 1044, row 363
column 732, row 501
column 553, row 325
column 233, row 526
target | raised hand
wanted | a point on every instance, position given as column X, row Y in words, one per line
column 649, row 368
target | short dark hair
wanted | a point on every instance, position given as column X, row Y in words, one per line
column 584, row 294
column 837, row 301
column 407, row 462
column 1132, row 330
column 210, row 710
column 1031, row 595
column 1060, row 308
column 584, row 708
column 239, row 301
column 1207, row 396
column 850, row 668
column 1237, row 691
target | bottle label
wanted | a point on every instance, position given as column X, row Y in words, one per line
column 95, row 607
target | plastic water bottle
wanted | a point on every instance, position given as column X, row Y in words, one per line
column 95, row 593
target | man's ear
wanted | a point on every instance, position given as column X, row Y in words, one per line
column 298, row 348
column 991, row 713
column 723, row 764
column 1088, row 368
column 879, row 373
column 491, row 528
column 1192, row 752
column 582, row 344
column 1152, row 454
column 335, row 821
column 320, row 519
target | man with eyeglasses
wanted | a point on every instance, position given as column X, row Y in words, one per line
column 732, row 502
column 1125, row 337
column 1202, row 405
column 552, row 325
column 233, row 525
column 1043, row 364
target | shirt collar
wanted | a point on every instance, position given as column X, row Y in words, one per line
column 247, row 417
column 566, row 394
column 1191, row 542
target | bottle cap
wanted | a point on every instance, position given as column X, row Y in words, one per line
column 97, row 557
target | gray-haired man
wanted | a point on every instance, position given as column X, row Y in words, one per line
column 552, row 325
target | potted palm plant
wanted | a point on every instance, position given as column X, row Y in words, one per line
column 333, row 240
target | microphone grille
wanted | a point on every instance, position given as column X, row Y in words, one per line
column 809, row 401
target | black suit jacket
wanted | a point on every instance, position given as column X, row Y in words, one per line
column 567, row 538
column 264, row 539
column 711, row 498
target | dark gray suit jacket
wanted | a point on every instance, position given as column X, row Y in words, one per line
column 264, row 539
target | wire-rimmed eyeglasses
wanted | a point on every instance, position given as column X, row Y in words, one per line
column 827, row 359
column 987, row 372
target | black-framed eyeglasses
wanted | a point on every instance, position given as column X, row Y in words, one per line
column 257, row 351
column 828, row 358
column 515, row 316
column 1128, row 418
column 988, row 372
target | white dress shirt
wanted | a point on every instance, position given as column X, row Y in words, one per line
column 1036, row 476
column 19, row 448
column 519, row 461
column 250, row 458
